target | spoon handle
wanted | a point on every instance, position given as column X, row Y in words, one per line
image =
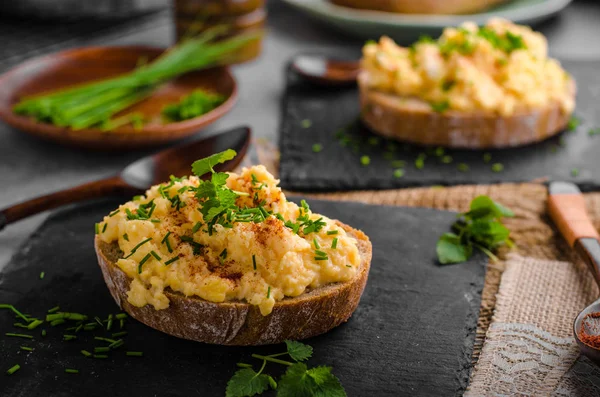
column 567, row 209
column 101, row 188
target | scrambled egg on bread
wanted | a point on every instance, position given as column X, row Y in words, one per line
column 501, row 67
column 257, row 262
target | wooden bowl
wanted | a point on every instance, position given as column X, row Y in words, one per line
column 83, row 65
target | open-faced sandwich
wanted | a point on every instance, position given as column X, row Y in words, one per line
column 230, row 261
column 422, row 6
column 487, row 87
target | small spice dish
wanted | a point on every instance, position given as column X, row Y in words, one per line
column 73, row 67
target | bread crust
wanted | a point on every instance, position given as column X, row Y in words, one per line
column 413, row 120
column 239, row 323
column 421, row 6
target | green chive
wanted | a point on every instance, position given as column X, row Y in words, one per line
column 575, row 172
column 97, row 228
column 254, row 261
column 69, row 337
column 173, row 259
column 20, row 325
column 121, row 316
column 462, row 167
column 42, row 274
column 79, row 327
column 316, row 243
column 317, row 147
column 399, row 173
column 26, row 348
column 144, row 260
column 104, row 227
column 134, row 354
column 100, row 356
column 117, row 334
column 116, row 344
column 331, row 232
column 365, row 160
column 14, row 310
column 13, row 369
column 34, row 324
column 66, row 316
column 196, row 227
column 109, row 322
column 306, row 123
column 447, row 159
column 104, row 339
column 19, row 335
column 115, row 212
column 269, row 292
column 165, row 241
column 138, row 246
column 43, row 332
column 121, row 323
column 497, row 167
column 334, row 243
column 155, row 220
column 86, row 353
column 321, row 258
column 54, row 309
column 57, row 322
column 97, row 319
column 155, row 255
column 439, row 151
column 71, row 371
column 420, row 161
column 125, row 237
column 101, row 349
column 320, row 253
column 487, row 157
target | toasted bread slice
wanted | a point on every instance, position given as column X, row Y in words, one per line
column 239, row 323
column 422, row 6
column 413, row 120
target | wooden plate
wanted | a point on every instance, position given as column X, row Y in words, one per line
column 95, row 63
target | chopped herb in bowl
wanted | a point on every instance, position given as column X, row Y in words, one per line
column 195, row 104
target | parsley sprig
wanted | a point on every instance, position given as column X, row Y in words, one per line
column 298, row 380
column 479, row 228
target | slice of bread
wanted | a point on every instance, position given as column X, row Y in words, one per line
column 413, row 120
column 421, row 6
column 239, row 323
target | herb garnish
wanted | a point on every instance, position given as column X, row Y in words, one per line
column 440, row 107
column 174, row 259
column 573, row 123
column 134, row 249
column 254, row 261
column 13, row 369
column 480, row 228
column 144, row 260
column 317, row 147
column 334, row 243
column 298, row 381
column 165, row 241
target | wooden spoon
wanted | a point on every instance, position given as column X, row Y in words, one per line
column 567, row 209
column 320, row 70
column 140, row 175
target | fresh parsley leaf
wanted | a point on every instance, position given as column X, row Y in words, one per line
column 298, row 351
column 450, row 249
column 246, row 382
column 299, row 381
column 483, row 206
column 205, row 165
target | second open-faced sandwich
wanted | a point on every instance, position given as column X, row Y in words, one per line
column 474, row 87
column 230, row 260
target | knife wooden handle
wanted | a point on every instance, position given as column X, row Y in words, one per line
column 569, row 213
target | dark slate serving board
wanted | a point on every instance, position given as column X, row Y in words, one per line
column 338, row 168
column 412, row 333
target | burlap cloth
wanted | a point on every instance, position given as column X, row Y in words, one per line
column 530, row 345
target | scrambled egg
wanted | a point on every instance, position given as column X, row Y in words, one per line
column 259, row 263
column 501, row 67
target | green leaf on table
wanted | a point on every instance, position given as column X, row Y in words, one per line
column 298, row 351
column 205, row 165
column 485, row 207
column 246, row 382
column 299, row 381
column 450, row 249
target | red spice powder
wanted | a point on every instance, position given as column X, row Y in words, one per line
column 592, row 340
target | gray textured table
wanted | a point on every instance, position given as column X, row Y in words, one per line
column 29, row 167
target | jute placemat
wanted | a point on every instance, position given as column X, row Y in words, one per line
column 534, row 235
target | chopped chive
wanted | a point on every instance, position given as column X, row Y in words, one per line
column 66, row 316
column 86, row 353
column 398, row 163
column 26, row 348
column 463, row 167
column 447, row 159
column 115, row 212
column 34, row 324
column 320, row 253
column 420, row 161
column 121, row 323
column 134, row 354
column 121, row 316
column 54, row 309
column 439, row 151
column 21, row 325
column 155, row 255
column 316, row 243
column 487, row 157
column 155, row 220
column 89, row 327
column 398, row 173
column 497, row 167
column 59, row 321
column 269, row 292
column 134, row 249
column 196, row 227
column 69, row 337
column 317, row 147
column 97, row 228
column 575, row 172
column 109, row 322
column 42, row 274
column 306, row 123
column 100, row 356
column 13, row 369
column 104, row 227
column 103, row 349
column 97, row 319
column 243, row 365
column 43, row 332
column 144, row 260
column 173, row 259
column 14, row 310
column 334, row 243
column 125, row 237
column 365, row 160
column 573, row 123
column 116, row 344
column 104, row 339
column 166, row 242
column 321, row 258
column 19, row 335
column 71, row 371
column 117, row 334
column 79, row 327
column 331, row 232
column 254, row 261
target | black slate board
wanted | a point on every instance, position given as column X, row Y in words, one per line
column 339, row 168
column 412, row 334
